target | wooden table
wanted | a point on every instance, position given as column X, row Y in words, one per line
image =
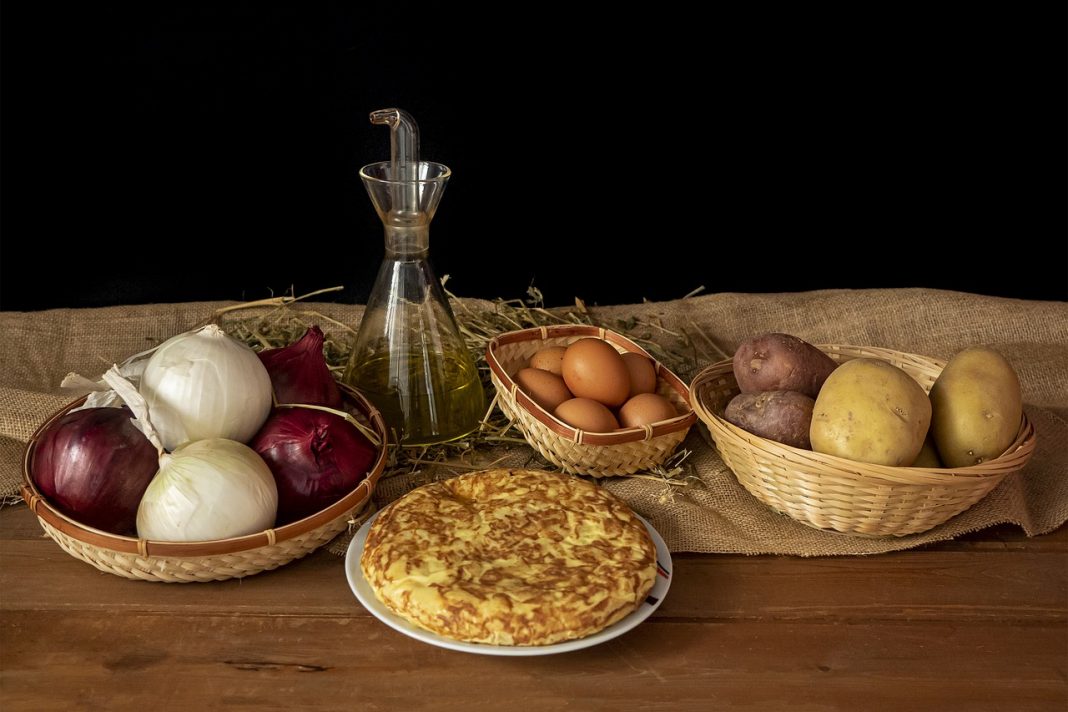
column 976, row 624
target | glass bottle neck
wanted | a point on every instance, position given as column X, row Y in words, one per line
column 407, row 243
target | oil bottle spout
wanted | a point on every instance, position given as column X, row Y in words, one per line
column 403, row 142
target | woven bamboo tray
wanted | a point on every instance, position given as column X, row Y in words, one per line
column 187, row 562
column 622, row 452
column 837, row 494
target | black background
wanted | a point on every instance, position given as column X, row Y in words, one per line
column 172, row 152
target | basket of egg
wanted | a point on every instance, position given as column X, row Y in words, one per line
column 591, row 401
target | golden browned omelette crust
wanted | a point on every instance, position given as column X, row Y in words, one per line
column 510, row 557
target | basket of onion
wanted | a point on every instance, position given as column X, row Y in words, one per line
column 203, row 461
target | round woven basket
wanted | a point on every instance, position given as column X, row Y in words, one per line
column 837, row 494
column 186, row 562
column 622, row 452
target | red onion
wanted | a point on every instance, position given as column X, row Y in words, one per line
column 316, row 457
column 299, row 373
column 94, row 466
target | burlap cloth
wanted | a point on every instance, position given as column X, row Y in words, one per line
column 714, row 515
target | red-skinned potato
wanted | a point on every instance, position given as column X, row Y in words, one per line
column 780, row 362
column 782, row 416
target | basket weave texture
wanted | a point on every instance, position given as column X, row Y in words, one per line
column 622, row 452
column 187, row 562
column 836, row 494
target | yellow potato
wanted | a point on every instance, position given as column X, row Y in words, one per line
column 977, row 407
column 928, row 456
column 870, row 411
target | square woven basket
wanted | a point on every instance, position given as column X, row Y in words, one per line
column 195, row 561
column 622, row 452
column 836, row 494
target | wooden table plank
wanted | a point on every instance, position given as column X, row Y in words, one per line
column 930, row 584
column 925, row 585
column 271, row 662
column 979, row 623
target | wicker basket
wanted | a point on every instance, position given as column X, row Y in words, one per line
column 837, row 494
column 622, row 452
column 185, row 562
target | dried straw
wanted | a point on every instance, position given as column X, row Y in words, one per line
column 279, row 321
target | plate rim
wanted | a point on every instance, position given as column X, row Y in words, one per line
column 356, row 580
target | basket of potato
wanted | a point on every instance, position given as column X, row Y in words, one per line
column 591, row 401
column 862, row 440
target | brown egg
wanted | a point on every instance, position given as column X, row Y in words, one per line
column 646, row 409
column 586, row 414
column 550, row 359
column 642, row 374
column 546, row 389
column 593, row 369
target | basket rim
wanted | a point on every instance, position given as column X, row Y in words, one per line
column 44, row 510
column 625, row 435
column 1013, row 459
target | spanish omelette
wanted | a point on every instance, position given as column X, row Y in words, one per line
column 510, row 557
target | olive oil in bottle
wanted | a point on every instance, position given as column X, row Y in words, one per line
column 410, row 359
column 433, row 397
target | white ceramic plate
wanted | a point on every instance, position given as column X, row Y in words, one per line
column 366, row 595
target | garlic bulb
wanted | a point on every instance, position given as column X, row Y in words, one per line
column 203, row 384
column 208, row 489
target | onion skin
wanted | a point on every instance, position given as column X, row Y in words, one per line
column 299, row 373
column 316, row 458
column 203, row 385
column 207, row 490
column 94, row 466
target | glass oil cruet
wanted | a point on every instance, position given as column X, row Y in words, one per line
column 409, row 358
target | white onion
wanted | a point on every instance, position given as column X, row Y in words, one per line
column 208, row 489
column 204, row 384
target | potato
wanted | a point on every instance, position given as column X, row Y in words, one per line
column 871, row 411
column 977, row 407
column 928, row 456
column 782, row 416
column 780, row 362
